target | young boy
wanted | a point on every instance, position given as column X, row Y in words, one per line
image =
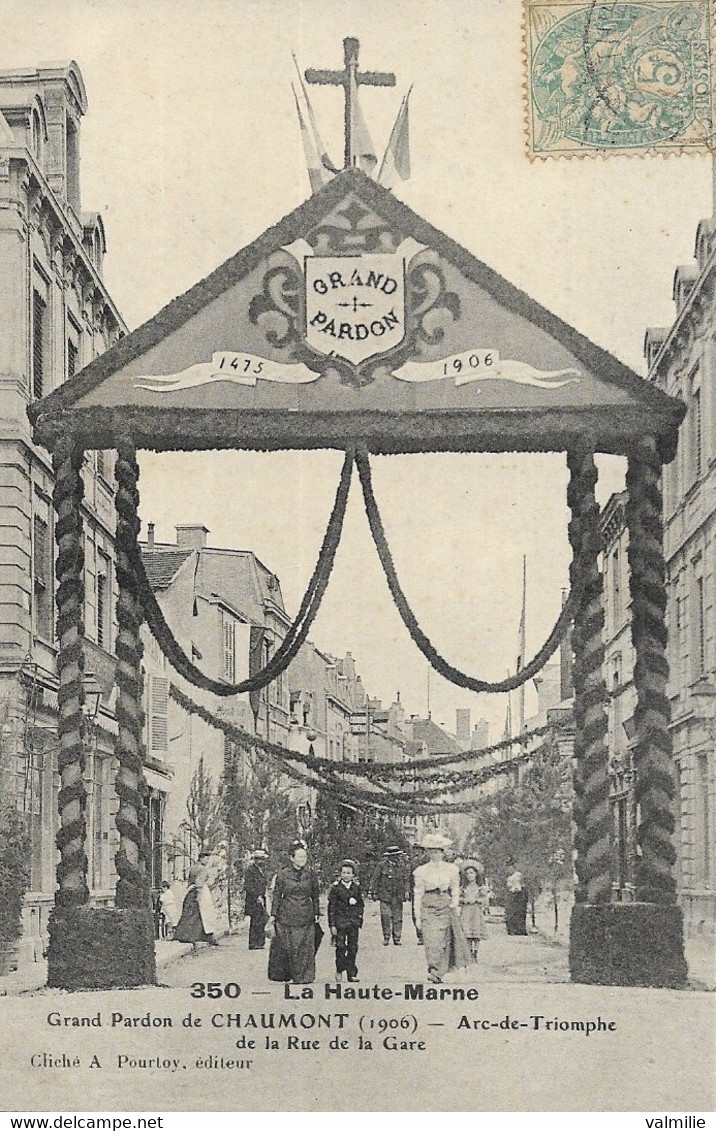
column 345, row 919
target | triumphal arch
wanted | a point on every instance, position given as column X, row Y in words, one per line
column 353, row 324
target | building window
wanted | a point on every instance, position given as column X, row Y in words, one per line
column 696, row 431
column 72, row 354
column 229, row 633
column 39, row 344
column 700, row 626
column 104, row 607
column 278, row 690
column 158, row 707
column 42, row 561
column 36, row 135
column 705, row 830
column 616, row 588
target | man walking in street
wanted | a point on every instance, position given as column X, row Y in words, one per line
column 390, row 885
column 255, row 899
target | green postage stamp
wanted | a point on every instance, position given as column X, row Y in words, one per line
column 619, row 77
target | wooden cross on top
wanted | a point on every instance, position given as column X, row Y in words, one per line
column 350, row 78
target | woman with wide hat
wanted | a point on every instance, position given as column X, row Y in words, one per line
column 436, row 902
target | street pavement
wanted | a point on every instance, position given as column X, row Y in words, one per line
column 519, row 1037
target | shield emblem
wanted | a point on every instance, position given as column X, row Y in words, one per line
column 355, row 304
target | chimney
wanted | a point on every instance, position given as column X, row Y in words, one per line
column 150, row 535
column 191, row 537
column 462, row 725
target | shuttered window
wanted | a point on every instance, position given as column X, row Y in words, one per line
column 229, row 629
column 104, row 612
column 42, row 577
column 72, row 352
column 39, row 313
column 158, row 705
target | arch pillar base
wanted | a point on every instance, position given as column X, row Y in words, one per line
column 101, row 948
column 627, row 944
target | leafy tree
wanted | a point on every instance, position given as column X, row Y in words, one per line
column 257, row 810
column 530, row 825
column 342, row 832
column 14, row 874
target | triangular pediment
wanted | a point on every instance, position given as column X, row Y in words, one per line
column 354, row 318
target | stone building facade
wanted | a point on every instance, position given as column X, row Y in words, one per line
column 56, row 316
column 226, row 610
column 682, row 362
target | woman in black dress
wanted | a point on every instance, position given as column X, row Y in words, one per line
column 516, row 905
column 294, row 913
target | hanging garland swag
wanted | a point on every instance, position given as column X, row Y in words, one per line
column 328, row 776
column 298, row 631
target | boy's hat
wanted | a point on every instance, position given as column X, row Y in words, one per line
column 349, row 864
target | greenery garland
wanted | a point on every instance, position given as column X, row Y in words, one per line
column 72, row 868
column 130, row 785
column 297, row 632
column 416, row 801
column 438, row 662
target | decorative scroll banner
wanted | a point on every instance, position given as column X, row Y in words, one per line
column 485, row 365
column 239, row 368
column 466, row 367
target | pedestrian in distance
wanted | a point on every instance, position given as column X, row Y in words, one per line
column 437, row 901
column 516, row 900
column 168, row 911
column 472, row 900
column 255, row 899
column 295, row 912
column 198, row 916
column 345, row 919
column 390, row 885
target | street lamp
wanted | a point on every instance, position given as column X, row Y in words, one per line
column 93, row 697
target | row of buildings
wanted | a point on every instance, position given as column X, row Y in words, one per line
column 226, row 607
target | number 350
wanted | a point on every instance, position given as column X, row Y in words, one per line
column 215, row 989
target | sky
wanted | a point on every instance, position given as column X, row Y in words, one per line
column 190, row 149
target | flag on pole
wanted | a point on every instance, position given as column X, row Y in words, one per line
column 507, row 733
column 363, row 147
column 521, row 649
column 320, row 147
column 318, row 175
column 396, row 159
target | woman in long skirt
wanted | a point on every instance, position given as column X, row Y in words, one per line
column 516, row 905
column 436, row 901
column 198, row 917
column 294, row 913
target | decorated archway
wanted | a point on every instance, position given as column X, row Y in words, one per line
column 355, row 325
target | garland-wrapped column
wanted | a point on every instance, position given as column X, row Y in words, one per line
column 591, row 783
column 72, row 890
column 641, row 943
column 654, row 880
column 90, row 947
column 131, row 859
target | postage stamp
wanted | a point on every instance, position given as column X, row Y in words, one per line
column 619, row 77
